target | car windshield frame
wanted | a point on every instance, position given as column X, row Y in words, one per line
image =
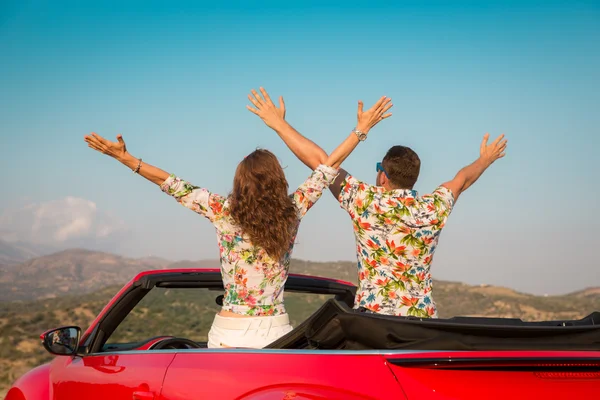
column 210, row 279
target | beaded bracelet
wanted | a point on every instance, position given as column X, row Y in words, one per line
column 135, row 171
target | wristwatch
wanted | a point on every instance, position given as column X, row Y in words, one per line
column 359, row 134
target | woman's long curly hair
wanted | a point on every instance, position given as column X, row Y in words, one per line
column 260, row 204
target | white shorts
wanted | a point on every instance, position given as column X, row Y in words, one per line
column 252, row 332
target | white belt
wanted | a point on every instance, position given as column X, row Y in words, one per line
column 246, row 323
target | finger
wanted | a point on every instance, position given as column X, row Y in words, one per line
column 99, row 138
column 502, row 143
column 90, row 139
column 501, row 150
column 254, row 101
column 497, row 140
column 91, row 146
column 386, row 115
column 484, row 142
column 380, row 102
column 377, row 105
column 386, row 108
column 252, row 110
column 257, row 97
column 360, row 106
column 383, row 102
column 120, row 139
column 99, row 142
column 266, row 95
column 281, row 104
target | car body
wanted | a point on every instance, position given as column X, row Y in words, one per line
column 90, row 365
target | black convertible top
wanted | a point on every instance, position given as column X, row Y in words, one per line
column 336, row 326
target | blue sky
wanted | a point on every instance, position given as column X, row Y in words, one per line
column 173, row 79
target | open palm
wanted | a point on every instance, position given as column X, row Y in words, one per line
column 493, row 151
column 271, row 115
column 368, row 119
column 114, row 149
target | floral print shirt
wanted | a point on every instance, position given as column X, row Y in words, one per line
column 396, row 235
column 253, row 281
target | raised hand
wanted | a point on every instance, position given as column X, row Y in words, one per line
column 116, row 149
column 371, row 117
column 266, row 110
column 493, row 151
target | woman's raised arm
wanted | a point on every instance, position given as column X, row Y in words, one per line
column 118, row 151
column 305, row 149
column 197, row 199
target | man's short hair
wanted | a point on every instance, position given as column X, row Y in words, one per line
column 402, row 165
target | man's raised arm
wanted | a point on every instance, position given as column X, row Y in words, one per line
column 469, row 174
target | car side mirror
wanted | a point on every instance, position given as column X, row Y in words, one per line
column 62, row 341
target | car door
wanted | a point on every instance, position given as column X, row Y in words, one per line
column 121, row 375
column 256, row 374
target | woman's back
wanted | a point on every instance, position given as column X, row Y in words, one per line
column 253, row 280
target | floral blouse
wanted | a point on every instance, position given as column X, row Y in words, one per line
column 396, row 235
column 253, row 281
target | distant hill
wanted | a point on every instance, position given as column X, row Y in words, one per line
column 82, row 271
column 17, row 252
column 155, row 262
column 454, row 299
column 194, row 264
column 67, row 272
column 588, row 293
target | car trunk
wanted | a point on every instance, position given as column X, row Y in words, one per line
column 497, row 375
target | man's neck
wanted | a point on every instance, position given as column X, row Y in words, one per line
column 389, row 187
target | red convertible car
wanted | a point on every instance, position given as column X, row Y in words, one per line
column 147, row 344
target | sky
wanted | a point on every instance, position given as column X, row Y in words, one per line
column 172, row 78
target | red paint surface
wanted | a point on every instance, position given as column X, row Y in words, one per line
column 107, row 377
column 256, row 376
column 467, row 384
column 34, row 385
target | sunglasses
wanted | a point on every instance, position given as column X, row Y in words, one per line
column 380, row 169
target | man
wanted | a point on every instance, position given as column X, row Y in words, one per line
column 396, row 230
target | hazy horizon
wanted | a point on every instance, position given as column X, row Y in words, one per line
column 170, row 262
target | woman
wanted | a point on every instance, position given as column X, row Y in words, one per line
column 256, row 226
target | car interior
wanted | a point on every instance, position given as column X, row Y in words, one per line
column 336, row 326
